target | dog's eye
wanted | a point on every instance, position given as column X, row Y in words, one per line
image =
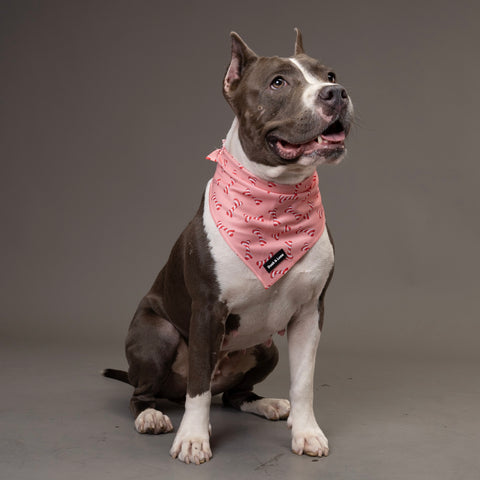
column 332, row 78
column 278, row 82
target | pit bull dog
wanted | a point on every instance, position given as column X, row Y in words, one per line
column 256, row 260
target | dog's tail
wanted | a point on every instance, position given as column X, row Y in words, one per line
column 120, row 375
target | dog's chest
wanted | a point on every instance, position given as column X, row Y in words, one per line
column 258, row 313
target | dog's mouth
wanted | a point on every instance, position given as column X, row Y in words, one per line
column 329, row 140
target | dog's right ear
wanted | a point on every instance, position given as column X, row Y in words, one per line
column 242, row 56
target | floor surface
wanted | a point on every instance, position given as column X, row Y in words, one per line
column 386, row 419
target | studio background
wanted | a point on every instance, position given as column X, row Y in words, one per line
column 108, row 110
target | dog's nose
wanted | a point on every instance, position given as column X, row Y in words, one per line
column 333, row 95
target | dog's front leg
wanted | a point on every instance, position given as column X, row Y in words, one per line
column 303, row 338
column 207, row 328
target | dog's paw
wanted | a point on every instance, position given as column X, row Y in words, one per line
column 310, row 442
column 270, row 408
column 191, row 449
column 153, row 421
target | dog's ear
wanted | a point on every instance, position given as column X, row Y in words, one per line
column 299, row 43
column 242, row 56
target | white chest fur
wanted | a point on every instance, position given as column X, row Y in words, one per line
column 264, row 312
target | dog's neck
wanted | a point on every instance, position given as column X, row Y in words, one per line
column 282, row 174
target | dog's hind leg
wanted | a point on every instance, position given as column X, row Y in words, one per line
column 151, row 348
column 242, row 397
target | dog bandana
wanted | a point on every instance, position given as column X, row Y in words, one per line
column 269, row 226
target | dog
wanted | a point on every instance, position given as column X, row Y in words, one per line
column 256, row 260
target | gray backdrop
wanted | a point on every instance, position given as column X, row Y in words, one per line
column 108, row 109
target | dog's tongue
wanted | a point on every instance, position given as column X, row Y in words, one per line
column 290, row 150
column 334, row 137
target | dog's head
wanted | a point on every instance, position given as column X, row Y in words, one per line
column 290, row 110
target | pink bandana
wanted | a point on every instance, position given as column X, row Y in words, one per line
column 269, row 226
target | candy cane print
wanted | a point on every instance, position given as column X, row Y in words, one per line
column 249, row 194
column 306, row 247
column 321, row 213
column 285, row 198
column 306, row 216
column 258, row 233
column 289, row 245
column 308, row 231
column 229, row 231
column 226, row 189
column 217, row 204
column 261, row 263
column 248, row 253
column 249, row 218
column 273, row 213
column 274, row 273
column 236, row 204
column 291, row 211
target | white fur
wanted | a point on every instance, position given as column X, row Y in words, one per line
column 266, row 311
column 263, row 312
column 192, row 442
column 285, row 174
column 153, row 421
column 315, row 84
column 303, row 338
column 310, row 94
column 270, row 408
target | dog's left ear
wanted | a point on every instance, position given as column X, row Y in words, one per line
column 242, row 56
column 299, row 43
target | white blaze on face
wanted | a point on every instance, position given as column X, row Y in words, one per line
column 314, row 85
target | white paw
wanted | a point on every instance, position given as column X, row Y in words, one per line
column 153, row 421
column 191, row 449
column 310, row 442
column 270, row 408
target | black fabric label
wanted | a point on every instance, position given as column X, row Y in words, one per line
column 271, row 263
